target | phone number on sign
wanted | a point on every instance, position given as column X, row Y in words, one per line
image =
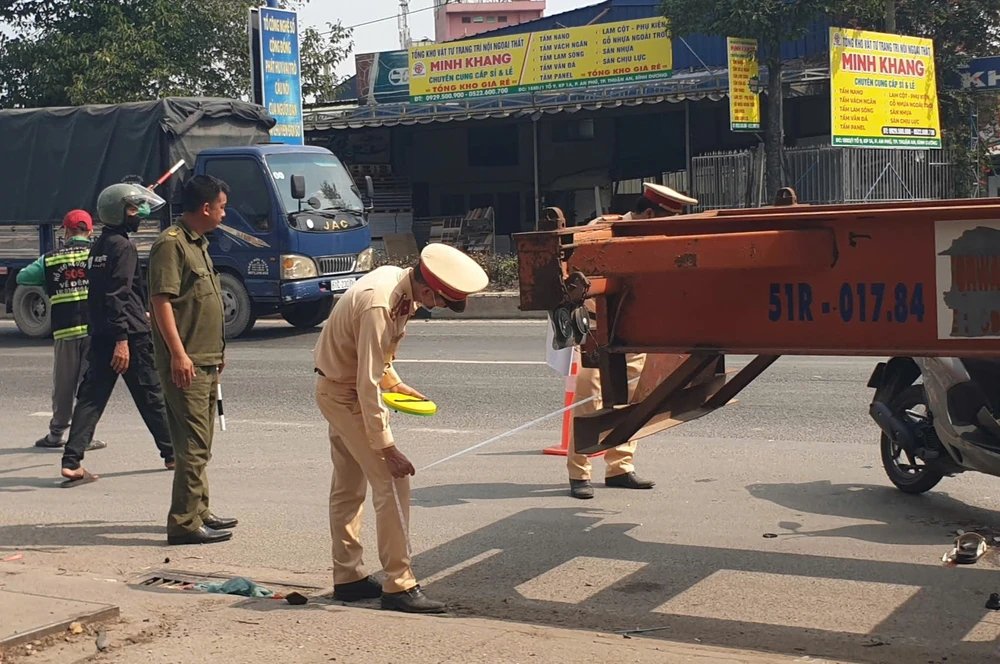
column 855, row 303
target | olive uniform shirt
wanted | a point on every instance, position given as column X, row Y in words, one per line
column 180, row 267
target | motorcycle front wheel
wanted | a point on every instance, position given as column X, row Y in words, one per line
column 908, row 474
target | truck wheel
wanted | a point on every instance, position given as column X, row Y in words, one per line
column 237, row 310
column 308, row 314
column 31, row 312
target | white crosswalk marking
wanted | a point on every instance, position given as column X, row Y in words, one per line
column 791, row 601
column 578, row 580
column 986, row 631
column 475, row 560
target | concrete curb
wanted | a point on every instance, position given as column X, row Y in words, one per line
column 491, row 306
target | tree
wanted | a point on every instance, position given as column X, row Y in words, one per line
column 321, row 53
column 72, row 52
column 770, row 22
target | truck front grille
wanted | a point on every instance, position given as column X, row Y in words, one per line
column 333, row 265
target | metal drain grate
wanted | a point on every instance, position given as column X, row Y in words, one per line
column 169, row 580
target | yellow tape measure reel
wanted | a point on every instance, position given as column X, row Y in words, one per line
column 402, row 403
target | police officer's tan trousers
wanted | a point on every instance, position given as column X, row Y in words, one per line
column 588, row 383
column 356, row 465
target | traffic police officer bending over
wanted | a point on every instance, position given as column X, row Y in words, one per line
column 63, row 274
column 353, row 357
column 119, row 332
column 656, row 201
column 188, row 335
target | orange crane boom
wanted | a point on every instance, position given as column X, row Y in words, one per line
column 888, row 279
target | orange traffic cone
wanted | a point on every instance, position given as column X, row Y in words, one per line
column 563, row 449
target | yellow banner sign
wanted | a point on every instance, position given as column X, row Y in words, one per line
column 603, row 54
column 884, row 93
column 744, row 85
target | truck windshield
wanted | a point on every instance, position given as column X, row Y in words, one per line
column 328, row 184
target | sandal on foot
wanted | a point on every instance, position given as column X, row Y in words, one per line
column 77, row 481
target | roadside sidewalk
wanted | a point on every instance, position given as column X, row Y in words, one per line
column 171, row 627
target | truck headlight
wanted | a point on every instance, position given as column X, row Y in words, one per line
column 298, row 267
column 365, row 260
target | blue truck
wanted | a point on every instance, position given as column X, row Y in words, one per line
column 296, row 230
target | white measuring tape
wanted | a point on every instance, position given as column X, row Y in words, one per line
column 395, row 494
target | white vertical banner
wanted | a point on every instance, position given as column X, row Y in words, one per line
column 560, row 360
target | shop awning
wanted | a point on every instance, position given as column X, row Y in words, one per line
column 710, row 84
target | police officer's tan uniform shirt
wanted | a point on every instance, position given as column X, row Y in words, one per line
column 357, row 345
column 180, row 267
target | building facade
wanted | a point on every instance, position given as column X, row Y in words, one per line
column 455, row 19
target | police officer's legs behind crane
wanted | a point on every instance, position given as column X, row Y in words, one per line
column 620, row 472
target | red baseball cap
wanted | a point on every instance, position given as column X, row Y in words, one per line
column 78, row 220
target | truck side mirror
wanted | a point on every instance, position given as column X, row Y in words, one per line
column 370, row 190
column 298, row 187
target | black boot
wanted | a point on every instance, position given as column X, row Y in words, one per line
column 366, row 588
column 219, row 522
column 411, row 601
column 203, row 535
column 581, row 489
column 628, row 481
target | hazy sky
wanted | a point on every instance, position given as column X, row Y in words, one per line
column 384, row 35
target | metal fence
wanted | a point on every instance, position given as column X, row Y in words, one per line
column 822, row 175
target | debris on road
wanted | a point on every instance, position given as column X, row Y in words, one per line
column 12, row 557
column 236, row 586
column 626, row 633
column 769, row 535
column 76, row 628
column 993, row 603
column 968, row 549
column 296, row 599
column 102, row 640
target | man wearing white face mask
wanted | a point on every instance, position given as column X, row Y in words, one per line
column 353, row 358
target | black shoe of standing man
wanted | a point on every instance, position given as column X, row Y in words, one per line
column 219, row 522
column 581, row 489
column 628, row 481
column 411, row 601
column 366, row 588
column 203, row 535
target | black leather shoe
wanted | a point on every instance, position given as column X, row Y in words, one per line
column 219, row 523
column 366, row 588
column 581, row 489
column 412, row 601
column 628, row 481
column 203, row 535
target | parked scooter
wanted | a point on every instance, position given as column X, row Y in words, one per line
column 942, row 426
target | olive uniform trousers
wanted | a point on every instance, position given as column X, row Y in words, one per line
column 191, row 417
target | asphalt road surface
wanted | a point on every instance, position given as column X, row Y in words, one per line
column 854, row 571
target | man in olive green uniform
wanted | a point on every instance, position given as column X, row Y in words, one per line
column 188, row 338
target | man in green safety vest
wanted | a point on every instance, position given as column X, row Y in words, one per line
column 63, row 274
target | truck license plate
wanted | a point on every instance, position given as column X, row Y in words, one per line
column 342, row 284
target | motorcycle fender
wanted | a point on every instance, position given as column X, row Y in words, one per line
column 876, row 379
column 891, row 377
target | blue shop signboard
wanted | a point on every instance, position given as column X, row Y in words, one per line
column 280, row 73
